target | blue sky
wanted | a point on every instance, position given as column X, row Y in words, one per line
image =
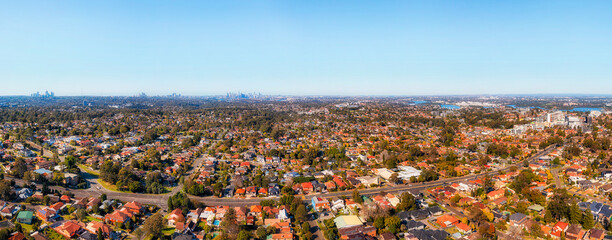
column 305, row 48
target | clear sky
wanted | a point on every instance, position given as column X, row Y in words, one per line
column 305, row 47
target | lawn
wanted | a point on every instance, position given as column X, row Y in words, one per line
column 92, row 219
column 109, row 186
column 202, row 224
column 88, row 170
column 452, row 230
column 26, row 227
column 53, row 235
column 168, row 231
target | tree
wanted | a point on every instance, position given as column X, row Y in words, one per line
column 548, row 218
column 559, row 204
column 138, row 234
column 357, row 197
column 331, row 231
column 100, row 236
column 486, row 231
column 428, row 175
column 244, row 235
column 28, row 176
column 575, row 214
column 394, row 178
column 154, row 225
column 46, row 200
column 95, row 209
column 305, row 233
column 379, row 223
column 70, row 162
column 19, row 168
column 536, row 230
column 300, row 213
column 81, row 214
column 229, row 223
column 5, row 191
column 455, row 199
column 587, row 220
column 392, row 224
column 261, row 232
column 407, row 202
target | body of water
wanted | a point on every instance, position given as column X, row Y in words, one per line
column 450, row 106
column 585, row 109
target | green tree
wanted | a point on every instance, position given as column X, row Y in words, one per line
column 536, row 230
column 305, row 233
column 379, row 223
column 100, row 236
column 559, row 204
column 548, row 218
column 229, row 223
column 244, row 235
column 587, row 220
column 407, row 202
column 394, row 178
column 392, row 224
column 81, row 214
column 300, row 213
column 70, row 162
column 575, row 214
column 154, row 225
column 261, row 232
column 357, row 197
column 19, row 168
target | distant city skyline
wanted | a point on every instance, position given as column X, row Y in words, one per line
column 400, row 48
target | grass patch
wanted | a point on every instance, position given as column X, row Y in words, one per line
column 27, row 228
column 110, row 186
column 202, row 224
column 93, row 219
column 88, row 170
column 168, row 231
column 53, row 235
column 452, row 230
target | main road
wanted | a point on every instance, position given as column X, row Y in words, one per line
column 161, row 200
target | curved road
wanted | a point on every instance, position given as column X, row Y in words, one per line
column 161, row 199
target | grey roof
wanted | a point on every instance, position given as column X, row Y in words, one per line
column 430, row 234
column 517, row 217
column 88, row 236
column 595, row 207
column 606, row 211
column 414, row 225
column 405, row 216
column 584, row 205
column 419, row 214
column 182, row 237
column 435, row 209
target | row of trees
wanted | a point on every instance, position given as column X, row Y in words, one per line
column 562, row 205
column 125, row 179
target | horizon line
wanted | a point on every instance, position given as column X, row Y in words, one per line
column 336, row 95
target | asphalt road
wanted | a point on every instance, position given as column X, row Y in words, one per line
column 161, row 200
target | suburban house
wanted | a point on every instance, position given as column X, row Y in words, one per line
column 320, row 203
